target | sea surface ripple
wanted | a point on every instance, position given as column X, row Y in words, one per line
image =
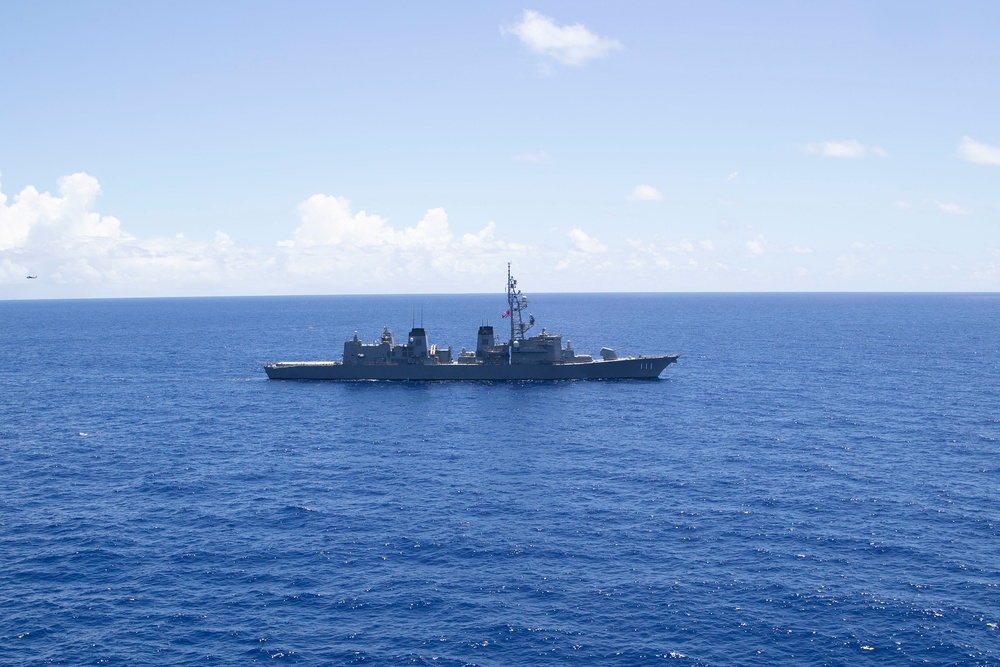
column 816, row 482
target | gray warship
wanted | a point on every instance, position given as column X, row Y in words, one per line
column 522, row 357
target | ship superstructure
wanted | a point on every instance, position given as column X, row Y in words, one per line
column 522, row 357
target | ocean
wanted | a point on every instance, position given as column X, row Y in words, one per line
column 815, row 482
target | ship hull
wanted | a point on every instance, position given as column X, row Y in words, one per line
column 630, row 368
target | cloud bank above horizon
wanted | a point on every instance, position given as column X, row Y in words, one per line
column 65, row 242
column 77, row 251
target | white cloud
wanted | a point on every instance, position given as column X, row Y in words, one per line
column 732, row 175
column 849, row 148
column 330, row 247
column 683, row 259
column 74, row 250
column 483, row 239
column 431, row 232
column 977, row 152
column 645, row 193
column 903, row 204
column 77, row 252
column 333, row 242
column 757, row 247
column 537, row 158
column 36, row 217
column 569, row 44
column 329, row 220
column 585, row 243
column 953, row 209
column 11, row 271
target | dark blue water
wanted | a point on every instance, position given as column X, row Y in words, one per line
column 816, row 482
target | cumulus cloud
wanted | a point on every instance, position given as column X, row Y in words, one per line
column 62, row 239
column 332, row 246
column 585, row 243
column 329, row 221
column 568, row 44
column 974, row 151
column 645, row 193
column 334, row 242
column 849, row 148
column 36, row 217
column 483, row 239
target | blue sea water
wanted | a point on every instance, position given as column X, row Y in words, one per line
column 816, row 482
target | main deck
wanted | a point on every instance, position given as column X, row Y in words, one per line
column 637, row 368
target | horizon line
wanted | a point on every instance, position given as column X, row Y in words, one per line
column 440, row 294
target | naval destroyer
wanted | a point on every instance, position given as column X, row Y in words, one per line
column 522, row 357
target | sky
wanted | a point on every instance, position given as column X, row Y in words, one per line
column 254, row 148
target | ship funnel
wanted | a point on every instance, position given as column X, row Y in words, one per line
column 484, row 340
column 418, row 342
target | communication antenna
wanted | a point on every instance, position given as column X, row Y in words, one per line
column 516, row 303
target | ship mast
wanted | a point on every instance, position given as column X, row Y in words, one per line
column 516, row 303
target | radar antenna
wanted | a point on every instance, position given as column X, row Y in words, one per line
column 516, row 303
